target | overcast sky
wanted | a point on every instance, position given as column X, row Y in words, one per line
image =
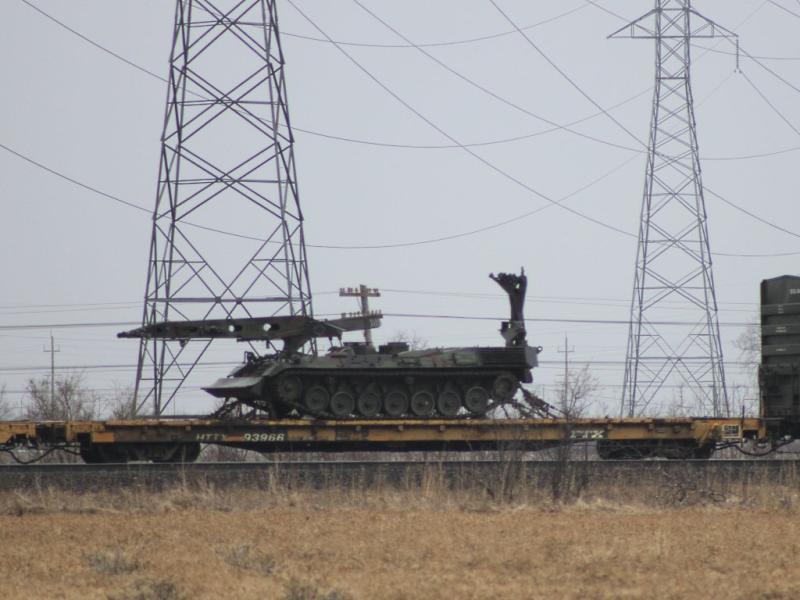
column 73, row 256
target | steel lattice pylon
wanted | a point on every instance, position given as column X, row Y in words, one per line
column 673, row 342
column 227, row 165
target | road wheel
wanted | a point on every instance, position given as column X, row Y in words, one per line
column 343, row 404
column 476, row 400
column 369, row 404
column 290, row 388
column 423, row 403
column 316, row 399
column 448, row 403
column 504, row 387
column 396, row 403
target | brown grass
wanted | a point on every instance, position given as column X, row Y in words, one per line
column 675, row 540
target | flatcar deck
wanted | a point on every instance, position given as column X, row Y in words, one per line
column 157, row 439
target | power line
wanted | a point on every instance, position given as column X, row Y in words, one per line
column 69, row 325
column 563, row 74
column 752, row 215
column 783, row 8
column 433, row 125
column 5, row 313
column 496, row 225
column 215, row 364
column 101, row 366
column 729, row 53
column 117, row 198
column 342, row 247
column 406, row 244
column 507, row 175
column 621, row 126
column 752, row 156
column 23, row 327
column 770, row 71
column 770, row 104
column 529, row 298
column 764, row 221
column 83, row 304
column 484, row 89
column 91, row 41
column 458, row 145
column 740, row 50
column 556, row 127
column 584, row 300
column 71, row 180
column 443, row 43
column 625, row 322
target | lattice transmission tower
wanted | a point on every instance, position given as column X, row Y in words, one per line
column 227, row 165
column 674, row 348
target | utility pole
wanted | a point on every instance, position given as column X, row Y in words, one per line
column 227, row 165
column 673, row 261
column 364, row 293
column 566, row 352
column 52, row 351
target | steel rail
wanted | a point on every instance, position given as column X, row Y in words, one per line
column 332, row 465
column 320, row 475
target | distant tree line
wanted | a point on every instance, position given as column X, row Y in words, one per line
column 68, row 399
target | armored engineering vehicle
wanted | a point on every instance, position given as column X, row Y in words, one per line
column 356, row 380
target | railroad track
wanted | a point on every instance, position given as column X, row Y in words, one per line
column 376, row 464
column 320, row 474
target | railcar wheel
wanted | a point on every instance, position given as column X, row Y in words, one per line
column 396, row 403
column 190, row 452
column 448, row 403
column 112, row 453
column 423, row 403
column 607, row 450
column 179, row 453
column 316, row 399
column 369, row 404
column 476, row 400
column 343, row 404
column 90, row 454
column 290, row 388
column 704, row 452
column 504, row 387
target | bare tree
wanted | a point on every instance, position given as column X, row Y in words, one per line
column 70, row 400
column 574, row 399
column 122, row 404
column 5, row 407
column 745, row 397
column 682, row 404
column 749, row 345
column 412, row 338
column 574, row 393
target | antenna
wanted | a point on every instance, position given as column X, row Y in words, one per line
column 227, row 163
column 673, row 259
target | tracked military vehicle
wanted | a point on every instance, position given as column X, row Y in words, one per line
column 356, row 380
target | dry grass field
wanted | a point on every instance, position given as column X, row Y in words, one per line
column 422, row 542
